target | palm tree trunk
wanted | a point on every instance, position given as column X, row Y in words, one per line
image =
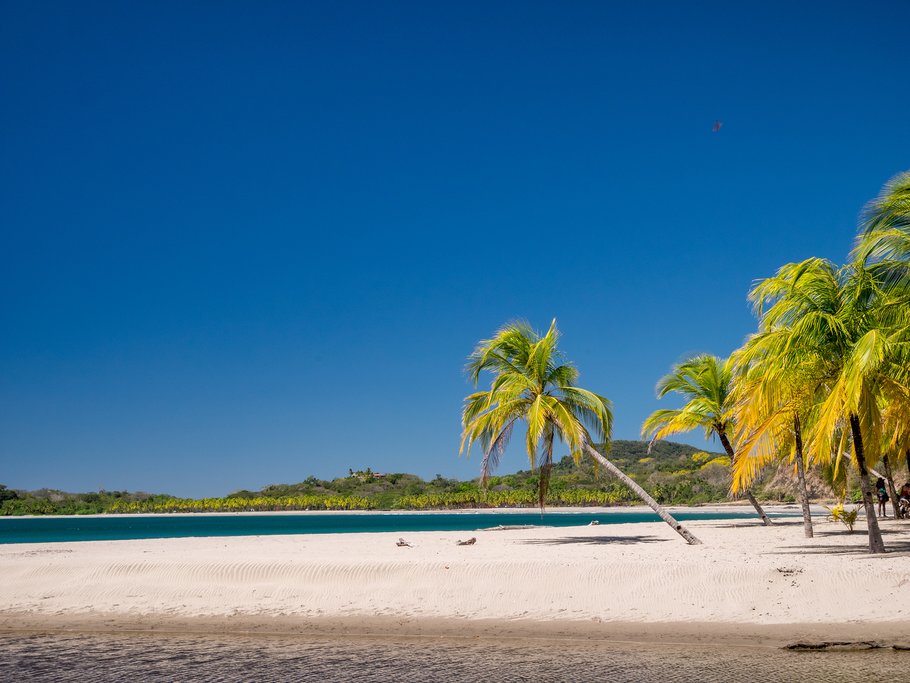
column 801, row 479
column 546, row 469
column 748, row 492
column 908, row 461
column 641, row 493
column 892, row 492
column 876, row 544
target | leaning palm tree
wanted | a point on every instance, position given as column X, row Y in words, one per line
column 534, row 384
column 705, row 382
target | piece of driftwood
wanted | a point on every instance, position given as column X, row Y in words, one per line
column 403, row 543
column 470, row 541
column 837, row 645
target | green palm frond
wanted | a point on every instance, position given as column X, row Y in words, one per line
column 705, row 382
column 832, row 337
column 885, row 234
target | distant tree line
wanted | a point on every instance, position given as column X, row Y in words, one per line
column 675, row 474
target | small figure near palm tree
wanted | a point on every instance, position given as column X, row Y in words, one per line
column 881, row 492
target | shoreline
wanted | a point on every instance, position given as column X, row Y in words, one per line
column 736, row 507
column 703, row 634
column 635, row 582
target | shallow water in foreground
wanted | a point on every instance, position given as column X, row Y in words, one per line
column 118, row 528
column 146, row 657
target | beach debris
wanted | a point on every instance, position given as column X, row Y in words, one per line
column 470, row 541
column 838, row 645
column 510, row 527
column 593, row 522
column 718, row 124
column 403, row 543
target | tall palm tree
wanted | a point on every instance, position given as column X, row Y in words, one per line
column 705, row 382
column 771, row 409
column 883, row 248
column 852, row 341
column 534, row 384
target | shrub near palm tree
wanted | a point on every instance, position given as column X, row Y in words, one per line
column 705, row 382
column 533, row 384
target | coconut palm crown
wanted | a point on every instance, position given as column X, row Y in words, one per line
column 704, row 382
column 532, row 383
column 885, row 230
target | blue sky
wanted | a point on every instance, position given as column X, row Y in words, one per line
column 244, row 243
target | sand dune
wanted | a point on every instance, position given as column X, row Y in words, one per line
column 746, row 580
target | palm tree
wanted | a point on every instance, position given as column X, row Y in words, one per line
column 883, row 248
column 770, row 408
column 851, row 340
column 705, row 382
column 534, row 384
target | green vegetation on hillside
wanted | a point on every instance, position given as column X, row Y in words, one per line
column 52, row 502
column 673, row 473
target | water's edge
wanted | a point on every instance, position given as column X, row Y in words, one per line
column 110, row 528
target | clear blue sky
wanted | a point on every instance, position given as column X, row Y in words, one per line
column 246, row 242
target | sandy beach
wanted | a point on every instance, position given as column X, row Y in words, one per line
column 639, row 582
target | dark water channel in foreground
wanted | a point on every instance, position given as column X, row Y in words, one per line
column 146, row 657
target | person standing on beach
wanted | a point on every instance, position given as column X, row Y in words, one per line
column 882, row 496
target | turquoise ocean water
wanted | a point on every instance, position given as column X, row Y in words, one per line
column 58, row 529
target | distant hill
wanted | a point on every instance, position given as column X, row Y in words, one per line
column 673, row 472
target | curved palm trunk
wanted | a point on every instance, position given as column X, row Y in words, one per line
column 801, row 479
column 641, row 493
column 876, row 544
column 748, row 492
column 892, row 491
column 908, row 461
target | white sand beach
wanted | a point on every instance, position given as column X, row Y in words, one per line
column 630, row 581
